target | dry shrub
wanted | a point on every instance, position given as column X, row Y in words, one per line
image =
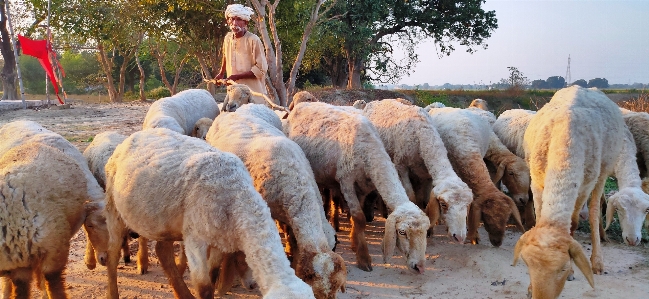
column 639, row 104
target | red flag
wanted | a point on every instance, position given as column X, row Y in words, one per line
column 38, row 49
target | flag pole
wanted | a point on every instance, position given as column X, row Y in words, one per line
column 13, row 41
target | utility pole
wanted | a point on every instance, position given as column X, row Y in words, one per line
column 568, row 79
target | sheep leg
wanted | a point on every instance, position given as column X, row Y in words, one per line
column 165, row 252
column 292, row 241
column 142, row 255
column 596, row 258
column 55, row 285
column 405, row 181
column 21, row 279
column 181, row 260
column 126, row 251
column 473, row 223
column 359, row 244
column 528, row 213
column 199, row 267
column 432, row 211
column 225, row 274
column 116, row 232
column 6, row 287
column 89, row 257
column 602, row 233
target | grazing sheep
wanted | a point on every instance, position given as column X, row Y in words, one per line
column 43, row 204
column 201, row 127
column 510, row 129
column 181, row 111
column 240, row 94
column 346, row 155
column 19, row 132
column 571, row 145
column 97, row 154
column 467, row 139
column 261, row 111
column 302, row 96
column 411, row 140
column 283, row 176
column 480, row 104
column 487, row 115
column 359, row 104
column 638, row 124
column 433, row 106
column 169, row 187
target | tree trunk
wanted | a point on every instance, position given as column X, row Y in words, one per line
column 206, row 72
column 9, row 70
column 107, row 66
column 336, row 68
column 273, row 58
column 142, row 77
column 355, row 69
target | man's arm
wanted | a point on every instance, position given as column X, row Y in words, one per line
column 222, row 71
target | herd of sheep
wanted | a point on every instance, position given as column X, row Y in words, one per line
column 225, row 182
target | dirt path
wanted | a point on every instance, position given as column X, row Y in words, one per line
column 453, row 270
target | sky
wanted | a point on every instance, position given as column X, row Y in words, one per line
column 605, row 39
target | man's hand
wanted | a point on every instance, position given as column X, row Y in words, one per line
column 234, row 77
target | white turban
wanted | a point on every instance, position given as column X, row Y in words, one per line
column 238, row 10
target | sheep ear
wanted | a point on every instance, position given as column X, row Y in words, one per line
column 225, row 103
column 499, row 173
column 610, row 211
column 519, row 246
column 389, row 237
column 516, row 214
column 290, row 107
column 93, row 206
column 578, row 256
column 433, row 209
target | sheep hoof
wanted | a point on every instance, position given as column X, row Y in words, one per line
column 127, row 259
column 366, row 268
column 571, row 276
column 142, row 271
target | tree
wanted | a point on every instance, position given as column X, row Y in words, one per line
column 540, row 84
column 598, row 82
column 516, row 79
column 581, row 82
column 8, row 73
column 370, row 27
column 556, row 82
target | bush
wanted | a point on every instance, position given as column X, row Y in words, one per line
column 158, row 93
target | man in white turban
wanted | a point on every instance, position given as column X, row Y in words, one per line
column 244, row 58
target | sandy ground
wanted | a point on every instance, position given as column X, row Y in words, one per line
column 453, row 270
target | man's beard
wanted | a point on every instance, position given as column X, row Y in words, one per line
column 235, row 28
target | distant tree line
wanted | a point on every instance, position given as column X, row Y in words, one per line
column 556, row 82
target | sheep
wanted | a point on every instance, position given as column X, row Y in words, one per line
column 201, row 127
column 42, row 206
column 510, row 129
column 467, row 138
column 240, row 94
column 411, row 140
column 359, row 104
column 169, row 187
column 638, row 124
column 97, row 154
column 346, row 154
column 433, row 106
column 181, row 111
column 283, row 176
column 19, row 132
column 480, row 104
column 261, row 111
column 571, row 145
column 487, row 115
column 302, row 96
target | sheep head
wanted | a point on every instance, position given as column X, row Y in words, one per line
column 632, row 206
column 237, row 96
column 515, row 174
column 97, row 232
column 495, row 210
column 480, row 103
column 406, row 229
column 454, row 199
column 325, row 272
column 547, row 252
column 201, row 127
column 300, row 97
column 359, row 104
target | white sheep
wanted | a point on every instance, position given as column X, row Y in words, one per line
column 467, row 138
column 411, row 140
column 346, row 154
column 638, row 124
column 169, row 187
column 480, row 104
column 181, row 111
column 201, row 127
column 261, row 111
column 19, row 132
column 433, row 106
column 283, row 176
column 510, row 128
column 571, row 145
column 487, row 115
column 359, row 104
column 240, row 94
column 42, row 206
